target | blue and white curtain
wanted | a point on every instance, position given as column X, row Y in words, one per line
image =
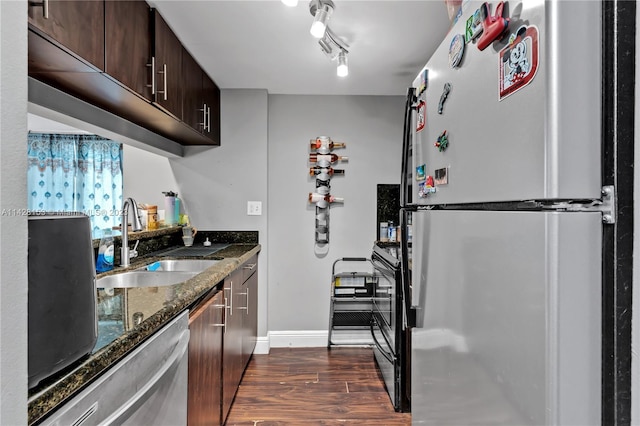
column 81, row 173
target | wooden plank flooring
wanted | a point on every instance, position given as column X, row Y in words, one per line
column 314, row 386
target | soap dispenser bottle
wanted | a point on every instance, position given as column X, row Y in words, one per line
column 105, row 252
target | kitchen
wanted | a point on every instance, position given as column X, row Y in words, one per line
column 266, row 174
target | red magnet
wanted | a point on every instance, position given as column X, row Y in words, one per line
column 493, row 26
column 429, row 182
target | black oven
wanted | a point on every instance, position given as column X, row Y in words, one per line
column 391, row 336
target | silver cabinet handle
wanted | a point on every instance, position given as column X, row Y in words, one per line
column 164, row 72
column 223, row 324
column 230, row 306
column 208, row 119
column 250, row 266
column 45, row 7
column 204, row 117
column 153, row 75
column 245, row 308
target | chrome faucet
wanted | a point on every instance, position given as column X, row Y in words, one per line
column 125, row 255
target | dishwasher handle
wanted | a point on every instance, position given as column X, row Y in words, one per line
column 141, row 396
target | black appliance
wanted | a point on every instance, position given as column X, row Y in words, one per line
column 391, row 335
column 62, row 323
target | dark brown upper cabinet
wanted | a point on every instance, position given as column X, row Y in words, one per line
column 128, row 44
column 166, row 64
column 193, row 111
column 212, row 101
column 77, row 26
column 201, row 100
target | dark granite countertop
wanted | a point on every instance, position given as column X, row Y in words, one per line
column 119, row 332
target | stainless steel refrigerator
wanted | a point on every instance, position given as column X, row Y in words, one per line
column 503, row 216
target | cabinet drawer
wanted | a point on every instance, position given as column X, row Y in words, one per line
column 249, row 267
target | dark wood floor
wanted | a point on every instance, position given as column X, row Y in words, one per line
column 314, row 386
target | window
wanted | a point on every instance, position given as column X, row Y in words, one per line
column 77, row 173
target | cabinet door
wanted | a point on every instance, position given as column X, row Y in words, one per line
column 168, row 67
column 128, row 44
column 76, row 25
column 193, row 110
column 211, row 94
column 250, row 325
column 205, row 363
column 232, row 367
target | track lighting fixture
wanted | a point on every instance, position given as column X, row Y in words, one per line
column 290, row 3
column 343, row 68
column 321, row 11
column 332, row 45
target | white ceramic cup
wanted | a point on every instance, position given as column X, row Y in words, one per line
column 188, row 241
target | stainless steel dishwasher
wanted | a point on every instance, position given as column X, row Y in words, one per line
column 147, row 387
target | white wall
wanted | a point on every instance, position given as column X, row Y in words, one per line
column 13, row 227
column 299, row 273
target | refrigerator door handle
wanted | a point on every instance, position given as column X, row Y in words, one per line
column 410, row 310
column 406, row 141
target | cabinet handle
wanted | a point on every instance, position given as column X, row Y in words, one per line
column 153, row 75
column 224, row 323
column 45, row 7
column 208, row 119
column 204, row 117
column 164, row 72
column 230, row 307
column 250, row 266
column 244, row 308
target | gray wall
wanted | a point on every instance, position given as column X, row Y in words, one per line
column 216, row 183
column 13, row 224
column 263, row 157
column 146, row 175
column 299, row 273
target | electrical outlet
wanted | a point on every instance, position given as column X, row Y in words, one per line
column 254, row 208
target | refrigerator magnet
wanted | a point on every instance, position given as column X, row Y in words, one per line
column 441, row 176
column 518, row 61
column 473, row 27
column 420, row 172
column 424, row 189
column 424, row 81
column 456, row 50
column 493, row 26
column 443, row 142
column 443, row 97
column 421, row 115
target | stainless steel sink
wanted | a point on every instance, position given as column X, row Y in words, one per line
column 144, row 279
column 180, row 265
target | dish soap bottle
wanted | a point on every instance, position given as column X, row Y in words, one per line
column 105, row 252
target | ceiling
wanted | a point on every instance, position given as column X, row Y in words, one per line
column 263, row 44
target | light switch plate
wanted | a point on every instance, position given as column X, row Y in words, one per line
column 254, row 208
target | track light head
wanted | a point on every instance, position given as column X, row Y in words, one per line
column 321, row 11
column 343, row 67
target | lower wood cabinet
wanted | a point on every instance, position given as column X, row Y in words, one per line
column 206, row 325
column 223, row 336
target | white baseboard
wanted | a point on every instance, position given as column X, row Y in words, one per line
column 292, row 339
column 262, row 345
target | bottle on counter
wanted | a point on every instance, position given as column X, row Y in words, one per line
column 384, row 232
column 106, row 250
column 314, row 197
column 325, row 144
column 314, row 171
column 330, row 158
